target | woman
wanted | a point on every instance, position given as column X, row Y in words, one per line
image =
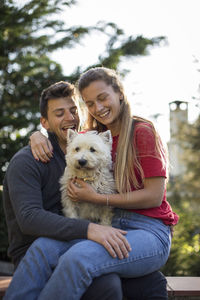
column 141, row 208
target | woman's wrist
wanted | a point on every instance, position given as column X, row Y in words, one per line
column 30, row 134
column 103, row 199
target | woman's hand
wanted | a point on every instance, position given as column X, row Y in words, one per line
column 112, row 239
column 80, row 190
column 41, row 147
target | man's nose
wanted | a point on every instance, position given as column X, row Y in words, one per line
column 68, row 116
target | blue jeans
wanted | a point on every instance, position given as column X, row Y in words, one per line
column 36, row 268
column 59, row 270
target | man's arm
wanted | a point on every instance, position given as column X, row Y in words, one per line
column 25, row 191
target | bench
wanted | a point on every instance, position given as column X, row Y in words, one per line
column 187, row 287
column 4, row 283
column 178, row 287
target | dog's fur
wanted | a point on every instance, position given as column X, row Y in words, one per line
column 89, row 158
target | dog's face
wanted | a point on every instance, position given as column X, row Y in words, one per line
column 88, row 151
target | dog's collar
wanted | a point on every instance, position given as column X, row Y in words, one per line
column 90, row 179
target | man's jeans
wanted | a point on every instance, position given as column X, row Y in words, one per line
column 64, row 270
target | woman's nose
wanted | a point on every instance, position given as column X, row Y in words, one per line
column 98, row 106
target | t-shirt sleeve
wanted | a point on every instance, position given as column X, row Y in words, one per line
column 152, row 163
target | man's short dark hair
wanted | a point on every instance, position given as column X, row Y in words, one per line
column 57, row 90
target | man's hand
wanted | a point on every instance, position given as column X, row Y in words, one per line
column 112, row 239
column 41, row 147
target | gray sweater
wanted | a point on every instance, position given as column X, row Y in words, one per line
column 32, row 203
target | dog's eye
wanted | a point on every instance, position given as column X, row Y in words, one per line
column 92, row 149
column 77, row 149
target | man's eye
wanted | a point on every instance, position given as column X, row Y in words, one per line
column 77, row 149
column 92, row 149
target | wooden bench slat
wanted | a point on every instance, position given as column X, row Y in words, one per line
column 177, row 286
column 184, row 286
column 4, row 283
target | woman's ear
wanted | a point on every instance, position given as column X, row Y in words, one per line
column 44, row 122
column 121, row 97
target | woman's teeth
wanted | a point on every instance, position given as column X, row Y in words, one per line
column 104, row 114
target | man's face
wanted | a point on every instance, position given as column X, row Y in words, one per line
column 61, row 115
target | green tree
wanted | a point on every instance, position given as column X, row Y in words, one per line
column 26, row 39
column 185, row 196
column 28, row 34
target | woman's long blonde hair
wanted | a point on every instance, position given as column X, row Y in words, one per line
column 127, row 162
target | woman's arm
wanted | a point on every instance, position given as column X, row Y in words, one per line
column 41, row 147
column 150, row 196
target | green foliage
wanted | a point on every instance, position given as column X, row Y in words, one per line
column 185, row 198
column 29, row 32
column 119, row 46
column 3, row 232
column 184, row 257
column 27, row 35
column 191, row 138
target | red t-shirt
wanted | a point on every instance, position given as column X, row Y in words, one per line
column 152, row 167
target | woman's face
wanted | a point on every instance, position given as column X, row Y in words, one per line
column 103, row 104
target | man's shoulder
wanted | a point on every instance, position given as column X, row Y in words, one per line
column 23, row 154
column 19, row 162
column 22, row 159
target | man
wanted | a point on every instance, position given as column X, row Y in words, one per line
column 33, row 207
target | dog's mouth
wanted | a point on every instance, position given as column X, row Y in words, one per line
column 78, row 167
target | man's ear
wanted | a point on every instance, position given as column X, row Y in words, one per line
column 44, row 122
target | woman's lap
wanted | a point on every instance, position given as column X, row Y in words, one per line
column 146, row 256
column 149, row 239
column 87, row 260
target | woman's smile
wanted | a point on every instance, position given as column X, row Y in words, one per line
column 104, row 114
column 103, row 103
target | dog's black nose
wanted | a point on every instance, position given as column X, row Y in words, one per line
column 82, row 162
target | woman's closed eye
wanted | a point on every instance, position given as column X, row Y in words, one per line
column 102, row 97
column 89, row 104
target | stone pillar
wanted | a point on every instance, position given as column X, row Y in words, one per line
column 178, row 117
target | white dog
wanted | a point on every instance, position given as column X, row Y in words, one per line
column 89, row 158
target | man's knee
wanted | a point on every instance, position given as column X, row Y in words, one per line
column 46, row 251
column 42, row 243
column 47, row 246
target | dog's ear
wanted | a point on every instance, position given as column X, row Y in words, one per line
column 106, row 136
column 70, row 135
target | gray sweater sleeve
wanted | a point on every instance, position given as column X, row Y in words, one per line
column 24, row 184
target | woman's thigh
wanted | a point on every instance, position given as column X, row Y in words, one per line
column 148, row 254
